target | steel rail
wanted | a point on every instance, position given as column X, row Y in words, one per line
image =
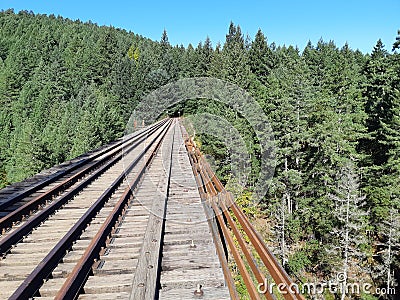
column 19, row 214
column 58, row 175
column 277, row 272
column 14, row 237
column 214, row 186
column 35, row 280
column 211, row 222
column 249, row 257
column 275, row 269
column 251, row 289
column 211, row 190
column 81, row 271
column 146, row 282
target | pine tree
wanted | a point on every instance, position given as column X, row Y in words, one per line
column 383, row 123
column 348, row 234
column 260, row 57
column 396, row 44
column 217, row 62
column 168, row 64
column 164, row 42
column 204, row 55
column 285, row 101
column 235, row 68
column 189, row 63
column 389, row 232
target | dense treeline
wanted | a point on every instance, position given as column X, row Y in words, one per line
column 333, row 205
column 62, row 89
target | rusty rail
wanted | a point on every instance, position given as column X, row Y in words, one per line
column 34, row 188
column 35, row 280
column 26, row 209
column 8, row 241
column 223, row 204
column 77, row 278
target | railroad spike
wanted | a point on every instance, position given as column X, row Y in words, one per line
column 198, row 292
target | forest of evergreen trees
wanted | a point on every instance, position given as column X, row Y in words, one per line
column 67, row 87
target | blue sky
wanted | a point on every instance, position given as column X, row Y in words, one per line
column 360, row 23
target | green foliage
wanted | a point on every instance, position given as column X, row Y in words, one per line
column 382, row 144
column 133, row 53
column 368, row 297
column 67, row 87
column 241, row 287
column 3, row 176
column 243, row 198
column 298, row 262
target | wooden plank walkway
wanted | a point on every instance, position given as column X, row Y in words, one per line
column 189, row 256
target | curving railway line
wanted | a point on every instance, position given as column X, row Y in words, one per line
column 136, row 219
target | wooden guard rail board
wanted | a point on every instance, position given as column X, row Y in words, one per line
column 223, row 207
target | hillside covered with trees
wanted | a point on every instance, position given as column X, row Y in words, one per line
column 67, row 87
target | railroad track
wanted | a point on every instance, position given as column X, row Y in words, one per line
column 55, row 183
column 142, row 218
column 100, row 229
